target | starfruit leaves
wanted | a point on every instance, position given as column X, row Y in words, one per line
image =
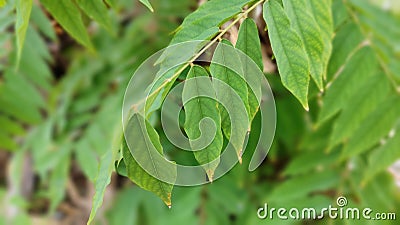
column 202, row 117
column 145, row 165
column 289, row 51
column 232, row 90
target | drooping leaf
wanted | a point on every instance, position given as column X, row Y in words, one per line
column 103, row 178
column 96, row 10
column 322, row 13
column 288, row 50
column 362, row 65
column 249, row 43
column 24, row 8
column 69, row 17
column 303, row 22
column 233, row 93
column 371, row 131
column 147, row 4
column 147, row 150
column 207, row 145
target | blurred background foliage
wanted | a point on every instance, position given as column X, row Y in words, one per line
column 60, row 110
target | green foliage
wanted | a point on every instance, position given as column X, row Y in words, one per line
column 147, row 4
column 23, row 13
column 69, row 16
column 60, row 105
column 143, row 150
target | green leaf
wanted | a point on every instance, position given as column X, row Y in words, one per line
column 96, row 10
column 103, row 178
column 10, row 126
column 7, row 142
column 24, row 8
column 196, row 109
column 249, row 43
column 147, row 148
column 233, row 93
column 201, row 22
column 384, row 156
column 346, row 42
column 3, row 3
column 69, row 16
column 381, row 29
column 371, row 131
column 369, row 97
column 309, row 161
column 362, row 65
column 39, row 18
column 302, row 186
column 147, row 4
column 303, row 22
column 83, row 152
column 58, row 179
column 289, row 51
column 322, row 13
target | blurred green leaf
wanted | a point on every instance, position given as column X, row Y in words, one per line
column 384, row 156
column 346, row 42
column 370, row 96
column 302, row 186
column 69, row 16
column 362, row 65
column 96, row 10
column 24, row 8
column 306, row 162
column 371, row 132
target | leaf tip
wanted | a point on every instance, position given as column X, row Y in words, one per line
column 210, row 175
